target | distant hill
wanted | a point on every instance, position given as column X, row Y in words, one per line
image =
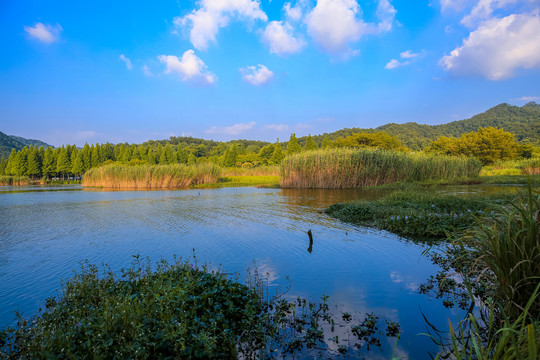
column 522, row 121
column 8, row 142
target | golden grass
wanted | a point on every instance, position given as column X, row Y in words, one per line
column 354, row 168
column 151, row 176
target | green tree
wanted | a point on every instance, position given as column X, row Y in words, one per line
column 229, row 159
column 63, row 164
column 3, row 165
column 326, row 143
column 310, row 144
column 292, row 146
column 49, row 163
column 11, row 161
column 77, row 163
column 96, row 158
column 379, row 139
column 86, row 156
column 277, row 155
column 21, row 165
column 34, row 163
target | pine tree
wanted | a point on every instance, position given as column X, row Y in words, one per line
column 229, row 159
column 22, row 162
column 34, row 163
column 310, row 144
column 95, row 156
column 278, row 155
column 86, row 156
column 11, row 161
column 292, row 146
column 77, row 164
column 325, row 143
column 63, row 164
column 49, row 163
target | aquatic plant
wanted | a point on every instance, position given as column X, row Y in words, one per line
column 185, row 311
column 151, row 176
column 354, row 168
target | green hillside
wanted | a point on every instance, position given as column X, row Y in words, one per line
column 8, row 142
column 522, row 121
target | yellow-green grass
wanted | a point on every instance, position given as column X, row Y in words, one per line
column 513, row 167
column 14, row 180
column 255, row 171
column 354, row 168
column 151, row 176
column 240, row 181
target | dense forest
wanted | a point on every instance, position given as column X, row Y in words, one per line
column 522, row 124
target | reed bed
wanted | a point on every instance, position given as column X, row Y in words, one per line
column 151, row 176
column 14, row 180
column 355, row 168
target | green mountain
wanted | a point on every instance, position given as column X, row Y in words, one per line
column 522, row 121
column 8, row 142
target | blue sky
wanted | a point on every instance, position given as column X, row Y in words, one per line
column 95, row 71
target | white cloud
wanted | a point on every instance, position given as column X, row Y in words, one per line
column 408, row 54
column 394, row 63
column 484, row 9
column 277, row 127
column 146, row 71
column 190, row 68
column 279, row 38
column 256, row 76
column 456, row 5
column 333, row 24
column 528, row 98
column 497, row 48
column 293, row 13
column 235, row 129
column 44, row 32
column 215, row 14
column 127, row 61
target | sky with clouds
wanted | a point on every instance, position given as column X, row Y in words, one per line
column 128, row 71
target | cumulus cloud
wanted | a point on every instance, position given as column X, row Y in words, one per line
column 235, row 129
column 127, row 61
column 497, row 48
column 212, row 15
column 456, row 5
column 485, row 8
column 334, row 24
column 190, row 68
column 293, row 13
column 256, row 76
column 45, row 33
column 279, row 37
column 277, row 127
column 395, row 63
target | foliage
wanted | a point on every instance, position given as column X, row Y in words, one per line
column 522, row 121
column 513, row 167
column 9, row 142
column 487, row 144
column 352, row 168
column 183, row 311
column 292, row 146
column 151, row 176
column 380, row 140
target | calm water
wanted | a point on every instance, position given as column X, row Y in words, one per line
column 46, row 232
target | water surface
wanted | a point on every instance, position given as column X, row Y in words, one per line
column 46, row 232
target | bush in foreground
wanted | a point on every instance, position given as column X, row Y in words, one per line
column 182, row 311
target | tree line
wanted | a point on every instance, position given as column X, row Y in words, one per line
column 66, row 162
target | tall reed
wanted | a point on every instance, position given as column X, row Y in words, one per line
column 14, row 180
column 151, row 176
column 353, row 168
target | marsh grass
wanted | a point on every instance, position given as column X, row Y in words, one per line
column 151, row 176
column 244, row 180
column 417, row 215
column 513, row 167
column 255, row 171
column 354, row 168
column 14, row 180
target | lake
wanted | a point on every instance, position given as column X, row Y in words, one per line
column 45, row 232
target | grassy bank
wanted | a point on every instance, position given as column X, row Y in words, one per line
column 513, row 167
column 269, row 181
column 151, row 176
column 354, row 168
